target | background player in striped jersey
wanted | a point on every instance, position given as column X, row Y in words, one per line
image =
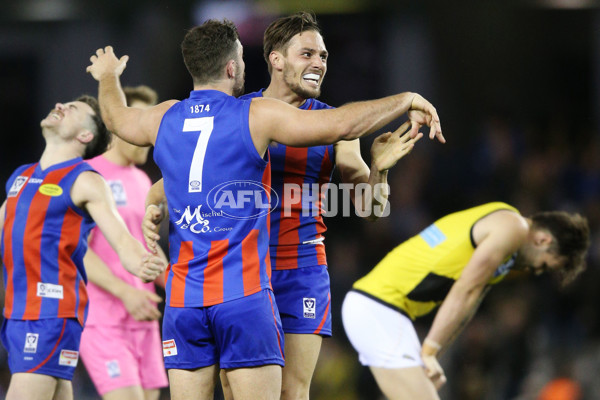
column 219, row 278
column 452, row 262
column 297, row 61
column 51, row 207
column 120, row 345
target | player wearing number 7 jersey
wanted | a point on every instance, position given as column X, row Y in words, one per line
column 212, row 152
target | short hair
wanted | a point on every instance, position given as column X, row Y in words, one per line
column 207, row 48
column 102, row 136
column 279, row 33
column 142, row 93
column 572, row 235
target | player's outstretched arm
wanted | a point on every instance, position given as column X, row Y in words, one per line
column 91, row 192
column 156, row 212
column 273, row 120
column 134, row 125
column 503, row 233
column 139, row 303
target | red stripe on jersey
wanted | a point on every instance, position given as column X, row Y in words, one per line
column 32, row 253
column 275, row 323
column 67, row 271
column 11, row 206
column 266, row 180
column 294, row 171
column 213, row 273
column 318, row 330
column 83, row 299
column 53, row 349
column 180, row 270
column 250, row 263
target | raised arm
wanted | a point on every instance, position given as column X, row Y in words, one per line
column 156, row 212
column 140, row 303
column 501, row 234
column 386, row 150
column 91, row 192
column 134, row 125
column 274, row 120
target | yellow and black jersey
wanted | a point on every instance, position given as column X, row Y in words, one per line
column 417, row 275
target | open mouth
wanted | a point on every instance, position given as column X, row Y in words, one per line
column 312, row 79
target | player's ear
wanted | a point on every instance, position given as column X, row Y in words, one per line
column 85, row 136
column 230, row 69
column 276, row 60
column 542, row 237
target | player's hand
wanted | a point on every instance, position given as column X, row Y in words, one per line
column 105, row 62
column 390, row 147
column 150, row 225
column 422, row 112
column 141, row 304
column 434, row 370
column 152, row 267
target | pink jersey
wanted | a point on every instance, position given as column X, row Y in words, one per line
column 129, row 186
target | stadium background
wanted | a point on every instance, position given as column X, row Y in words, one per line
column 517, row 87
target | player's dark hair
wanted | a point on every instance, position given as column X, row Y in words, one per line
column 572, row 234
column 207, row 48
column 141, row 93
column 102, row 136
column 279, row 33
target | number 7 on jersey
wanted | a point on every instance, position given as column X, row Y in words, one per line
column 204, row 127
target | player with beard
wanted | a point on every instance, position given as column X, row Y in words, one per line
column 453, row 262
column 219, row 308
column 296, row 57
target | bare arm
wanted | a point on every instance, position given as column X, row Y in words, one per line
column 274, row 120
column 156, row 212
column 140, row 304
column 134, row 125
column 91, row 193
column 502, row 233
column 2, row 216
column 371, row 199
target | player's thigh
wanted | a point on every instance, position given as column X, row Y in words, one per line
column 262, row 382
column 301, row 355
column 108, row 353
column 25, row 385
column 197, row 384
column 304, row 300
column 125, row 393
column 382, row 336
column 404, row 383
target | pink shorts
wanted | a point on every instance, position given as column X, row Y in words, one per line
column 117, row 357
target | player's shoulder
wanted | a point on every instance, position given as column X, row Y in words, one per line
column 252, row 95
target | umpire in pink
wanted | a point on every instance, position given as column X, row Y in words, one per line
column 121, row 345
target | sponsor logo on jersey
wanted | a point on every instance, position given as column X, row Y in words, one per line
column 309, row 304
column 50, row 189
column 193, row 220
column 49, row 290
column 169, row 348
column 68, row 358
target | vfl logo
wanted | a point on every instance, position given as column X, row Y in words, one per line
column 31, row 342
column 16, row 186
column 112, row 368
column 193, row 221
column 309, row 304
column 118, row 191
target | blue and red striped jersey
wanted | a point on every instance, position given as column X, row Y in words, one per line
column 44, row 239
column 218, row 194
column 299, row 177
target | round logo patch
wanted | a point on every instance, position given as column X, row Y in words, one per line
column 50, row 189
